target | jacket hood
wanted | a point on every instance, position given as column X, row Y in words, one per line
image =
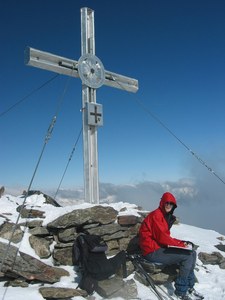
column 167, row 197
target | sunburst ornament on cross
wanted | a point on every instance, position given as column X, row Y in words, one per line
column 91, row 71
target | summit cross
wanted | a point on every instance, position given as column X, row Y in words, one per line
column 90, row 70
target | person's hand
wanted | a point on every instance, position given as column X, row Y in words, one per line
column 188, row 243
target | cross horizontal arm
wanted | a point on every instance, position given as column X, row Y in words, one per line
column 121, row 82
column 51, row 62
column 65, row 66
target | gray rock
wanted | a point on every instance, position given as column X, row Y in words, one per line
column 108, row 229
column 39, row 231
column 117, row 235
column 112, row 245
column 124, row 242
column 214, row 258
column 95, row 214
column 63, row 256
column 67, row 235
column 63, row 245
column 32, row 223
column 128, row 220
column 41, row 246
column 222, row 265
column 7, row 229
column 116, row 287
column 128, row 291
column 17, row 283
column 60, row 293
column 26, row 266
column 2, row 190
column 160, row 274
column 30, row 213
column 220, row 247
column 49, row 200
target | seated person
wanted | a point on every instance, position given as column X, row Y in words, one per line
column 154, row 239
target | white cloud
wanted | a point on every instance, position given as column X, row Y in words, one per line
column 200, row 198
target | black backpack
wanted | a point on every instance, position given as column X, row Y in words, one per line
column 89, row 254
column 83, row 245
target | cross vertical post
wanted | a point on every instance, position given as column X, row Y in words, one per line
column 90, row 146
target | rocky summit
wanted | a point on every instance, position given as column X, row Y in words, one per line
column 52, row 242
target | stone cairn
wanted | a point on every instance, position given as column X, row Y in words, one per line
column 55, row 240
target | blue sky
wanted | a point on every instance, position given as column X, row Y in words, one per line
column 176, row 49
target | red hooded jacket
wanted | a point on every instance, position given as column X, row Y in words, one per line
column 154, row 232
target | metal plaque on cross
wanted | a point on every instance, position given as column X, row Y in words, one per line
column 94, row 114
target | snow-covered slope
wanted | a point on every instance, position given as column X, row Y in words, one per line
column 211, row 279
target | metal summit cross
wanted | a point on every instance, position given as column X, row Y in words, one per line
column 93, row 75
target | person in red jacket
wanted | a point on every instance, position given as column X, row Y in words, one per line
column 155, row 241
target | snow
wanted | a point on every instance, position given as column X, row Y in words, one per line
column 211, row 279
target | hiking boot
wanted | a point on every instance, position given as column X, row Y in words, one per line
column 183, row 297
column 195, row 294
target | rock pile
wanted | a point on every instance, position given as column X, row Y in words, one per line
column 55, row 241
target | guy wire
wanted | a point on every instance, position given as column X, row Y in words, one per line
column 28, row 95
column 47, row 138
column 141, row 104
column 69, row 160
